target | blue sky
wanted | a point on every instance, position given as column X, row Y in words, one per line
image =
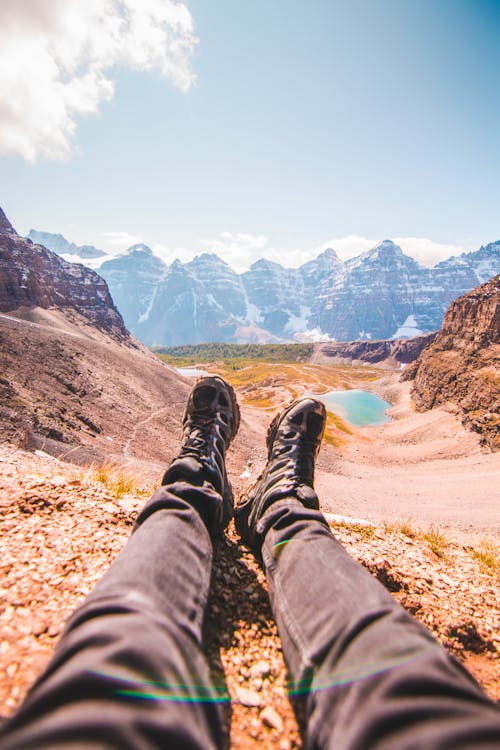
column 270, row 127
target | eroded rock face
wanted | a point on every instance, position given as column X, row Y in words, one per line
column 390, row 352
column 32, row 276
column 462, row 365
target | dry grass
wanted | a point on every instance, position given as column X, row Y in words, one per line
column 436, row 540
column 404, row 527
column 119, row 481
column 488, row 555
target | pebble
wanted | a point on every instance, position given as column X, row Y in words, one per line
column 247, row 697
column 271, row 718
column 260, row 669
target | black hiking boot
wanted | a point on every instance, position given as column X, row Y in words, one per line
column 210, row 422
column 293, row 442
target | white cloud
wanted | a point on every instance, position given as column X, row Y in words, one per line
column 241, row 249
column 427, row 251
column 57, row 59
column 346, row 247
column 119, row 241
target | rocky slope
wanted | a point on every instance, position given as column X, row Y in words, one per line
column 32, row 276
column 73, row 382
column 462, row 365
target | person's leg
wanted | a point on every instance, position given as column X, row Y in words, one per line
column 129, row 670
column 372, row 676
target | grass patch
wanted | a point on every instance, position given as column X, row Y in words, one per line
column 367, row 532
column 115, row 479
column 436, row 541
column 337, row 422
column 404, row 527
column 488, row 555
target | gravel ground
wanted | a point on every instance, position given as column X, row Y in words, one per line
column 61, row 528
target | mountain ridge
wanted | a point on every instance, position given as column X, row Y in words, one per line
column 381, row 293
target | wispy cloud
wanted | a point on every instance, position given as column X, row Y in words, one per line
column 58, row 59
column 427, row 251
column 241, row 249
column 119, row 241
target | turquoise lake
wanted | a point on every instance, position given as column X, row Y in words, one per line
column 360, row 408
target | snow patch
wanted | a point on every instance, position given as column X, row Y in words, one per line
column 311, row 336
column 408, row 329
column 298, row 323
column 254, row 315
column 145, row 315
column 92, row 263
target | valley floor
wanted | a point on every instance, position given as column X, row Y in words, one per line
column 424, row 467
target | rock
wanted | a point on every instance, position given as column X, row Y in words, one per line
column 260, row 669
column 32, row 276
column 271, row 718
column 247, row 697
column 462, row 365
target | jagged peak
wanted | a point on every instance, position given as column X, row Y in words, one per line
column 204, row 258
column 33, row 233
column 176, row 265
column 328, row 256
column 140, row 247
column 329, row 253
column 264, row 263
column 387, row 246
column 5, row 225
column 491, row 247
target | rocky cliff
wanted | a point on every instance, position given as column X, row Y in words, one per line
column 462, row 364
column 390, row 353
column 32, row 276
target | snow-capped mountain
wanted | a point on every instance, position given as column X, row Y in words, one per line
column 135, row 278
column 87, row 254
column 380, row 294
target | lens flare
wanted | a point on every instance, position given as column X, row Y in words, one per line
column 166, row 691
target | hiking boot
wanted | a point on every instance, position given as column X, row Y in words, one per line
column 293, row 442
column 210, row 422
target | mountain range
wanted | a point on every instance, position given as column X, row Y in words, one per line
column 380, row 294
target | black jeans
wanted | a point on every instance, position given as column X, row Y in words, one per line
column 130, row 672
